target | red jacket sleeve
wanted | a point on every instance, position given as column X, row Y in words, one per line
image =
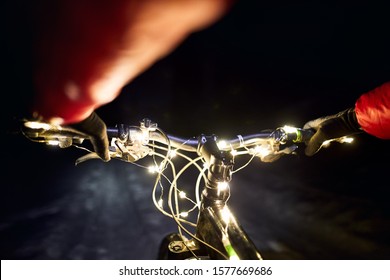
column 86, row 51
column 373, row 111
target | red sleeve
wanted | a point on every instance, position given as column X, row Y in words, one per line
column 86, row 51
column 373, row 111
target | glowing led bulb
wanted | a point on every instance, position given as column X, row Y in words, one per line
column 182, row 194
column 222, row 186
column 290, row 129
column 53, row 142
column 326, row 143
column 160, row 203
column 172, row 153
column 37, row 125
column 346, row 139
column 154, row 169
column 222, row 144
column 184, row 214
column 262, row 151
column 226, row 215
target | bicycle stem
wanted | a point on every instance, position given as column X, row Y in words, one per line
column 216, row 224
column 220, row 169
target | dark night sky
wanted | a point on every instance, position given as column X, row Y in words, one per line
column 263, row 65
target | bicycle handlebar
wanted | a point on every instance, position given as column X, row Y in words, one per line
column 216, row 228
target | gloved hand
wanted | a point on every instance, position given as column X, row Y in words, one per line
column 331, row 127
column 95, row 128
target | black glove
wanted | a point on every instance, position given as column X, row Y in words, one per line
column 96, row 129
column 331, row 127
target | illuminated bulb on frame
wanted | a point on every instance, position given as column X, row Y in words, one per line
column 222, row 186
column 226, row 215
column 160, row 203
